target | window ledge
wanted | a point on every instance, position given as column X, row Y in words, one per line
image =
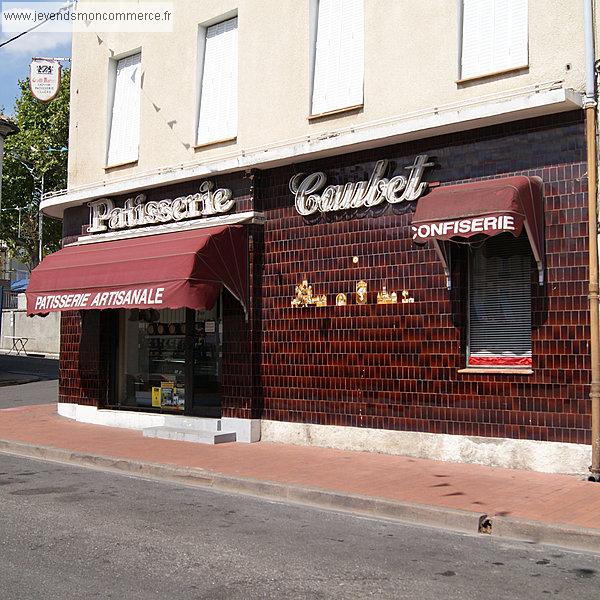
column 129, row 163
column 491, row 74
column 215, row 142
column 497, row 370
column 334, row 112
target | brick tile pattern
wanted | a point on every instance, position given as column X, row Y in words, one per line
column 397, row 366
column 393, row 366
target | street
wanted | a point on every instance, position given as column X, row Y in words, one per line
column 68, row 532
column 44, row 388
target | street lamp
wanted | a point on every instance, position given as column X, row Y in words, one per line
column 39, row 190
column 19, row 209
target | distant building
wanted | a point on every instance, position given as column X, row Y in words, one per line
column 347, row 223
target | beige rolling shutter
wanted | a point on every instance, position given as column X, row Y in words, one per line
column 339, row 57
column 494, row 36
column 500, row 303
column 219, row 92
column 123, row 144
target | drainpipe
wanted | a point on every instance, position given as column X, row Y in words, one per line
column 590, row 120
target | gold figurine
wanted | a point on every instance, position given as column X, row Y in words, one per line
column 406, row 299
column 384, row 297
column 304, row 296
column 340, row 300
column 361, row 292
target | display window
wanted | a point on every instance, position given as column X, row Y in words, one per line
column 170, row 360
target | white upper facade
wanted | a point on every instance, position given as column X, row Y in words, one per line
column 257, row 83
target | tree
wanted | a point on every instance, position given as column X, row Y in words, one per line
column 34, row 158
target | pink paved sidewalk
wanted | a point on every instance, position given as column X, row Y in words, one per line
column 556, row 499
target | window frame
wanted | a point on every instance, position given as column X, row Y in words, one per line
column 523, row 369
column 200, row 70
column 490, row 73
column 111, row 94
column 313, row 41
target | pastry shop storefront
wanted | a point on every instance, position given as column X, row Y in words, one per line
column 148, row 291
column 413, row 299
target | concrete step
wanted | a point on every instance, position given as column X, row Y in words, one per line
column 194, row 423
column 185, row 434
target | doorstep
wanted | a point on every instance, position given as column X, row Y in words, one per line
column 187, row 434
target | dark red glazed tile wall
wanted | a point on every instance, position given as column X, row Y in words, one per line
column 397, row 366
column 84, row 355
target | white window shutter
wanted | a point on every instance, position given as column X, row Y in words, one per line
column 123, row 145
column 339, row 57
column 494, row 36
column 219, row 92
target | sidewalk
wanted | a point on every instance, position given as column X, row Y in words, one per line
column 557, row 509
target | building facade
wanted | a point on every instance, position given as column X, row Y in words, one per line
column 344, row 236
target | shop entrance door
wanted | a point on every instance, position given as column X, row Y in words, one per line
column 206, row 361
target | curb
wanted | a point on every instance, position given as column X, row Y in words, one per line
column 576, row 538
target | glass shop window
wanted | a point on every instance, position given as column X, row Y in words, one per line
column 500, row 303
column 153, row 353
column 171, row 360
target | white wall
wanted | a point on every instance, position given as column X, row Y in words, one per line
column 43, row 332
column 411, row 65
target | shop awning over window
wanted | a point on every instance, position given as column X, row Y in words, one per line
column 169, row 270
column 472, row 211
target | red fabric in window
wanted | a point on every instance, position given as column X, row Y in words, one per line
column 500, row 361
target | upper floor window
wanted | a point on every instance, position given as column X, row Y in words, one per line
column 494, row 37
column 218, row 114
column 338, row 56
column 124, row 133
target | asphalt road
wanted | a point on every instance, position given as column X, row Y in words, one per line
column 72, row 533
column 26, row 368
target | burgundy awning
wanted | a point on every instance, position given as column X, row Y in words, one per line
column 472, row 211
column 168, row 270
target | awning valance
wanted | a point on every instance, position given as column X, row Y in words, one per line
column 169, row 270
column 472, row 211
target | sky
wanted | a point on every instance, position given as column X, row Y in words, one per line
column 16, row 56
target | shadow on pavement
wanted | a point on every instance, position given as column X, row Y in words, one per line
column 27, row 368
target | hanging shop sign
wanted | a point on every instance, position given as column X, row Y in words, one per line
column 375, row 191
column 136, row 211
column 44, row 78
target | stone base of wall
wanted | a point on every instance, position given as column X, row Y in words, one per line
column 246, row 430
column 545, row 457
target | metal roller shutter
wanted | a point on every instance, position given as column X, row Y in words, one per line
column 500, row 303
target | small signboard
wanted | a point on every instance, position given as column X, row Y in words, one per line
column 44, row 78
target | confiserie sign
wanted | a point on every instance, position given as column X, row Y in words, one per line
column 359, row 194
column 136, row 211
column 464, row 227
